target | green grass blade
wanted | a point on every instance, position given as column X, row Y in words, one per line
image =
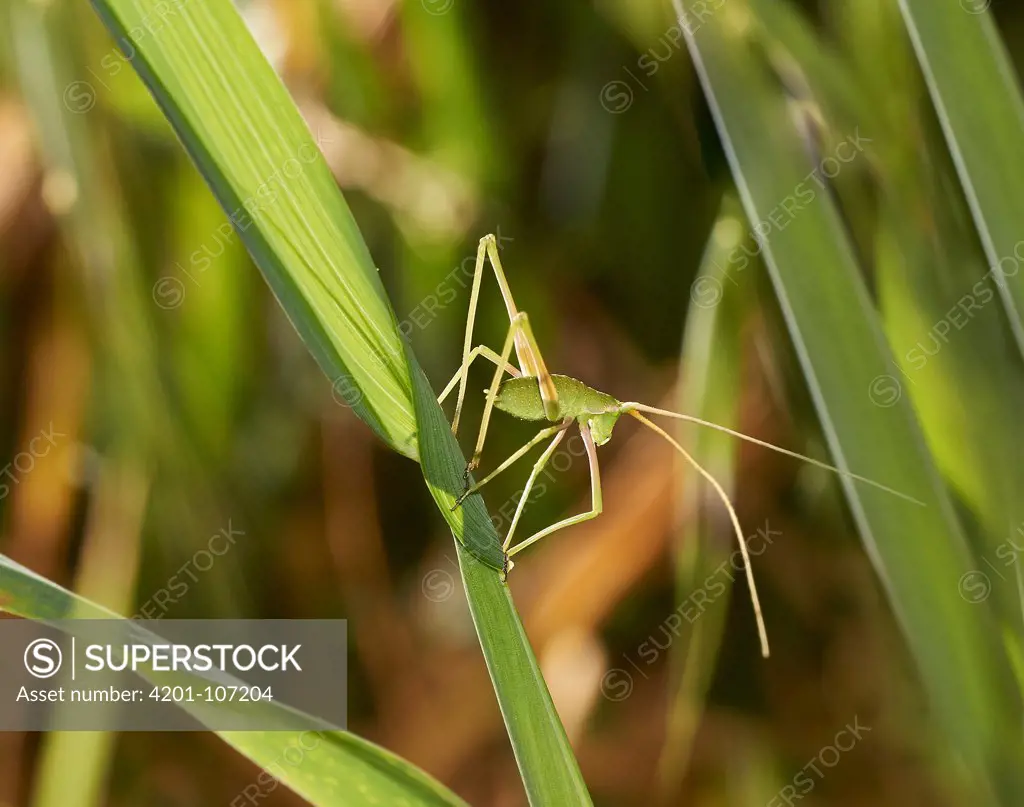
column 237, row 122
column 978, row 100
column 710, row 371
column 550, row 772
column 74, row 766
column 923, row 265
column 339, row 769
column 538, row 731
column 245, row 135
column 918, row 552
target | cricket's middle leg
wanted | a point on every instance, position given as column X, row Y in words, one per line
column 542, row 435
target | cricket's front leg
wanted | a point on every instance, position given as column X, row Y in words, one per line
column 596, row 500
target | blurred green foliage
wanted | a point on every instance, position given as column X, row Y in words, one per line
column 580, row 133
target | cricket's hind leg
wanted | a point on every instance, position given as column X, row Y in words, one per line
column 528, row 354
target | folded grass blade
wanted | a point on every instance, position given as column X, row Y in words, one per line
column 244, row 133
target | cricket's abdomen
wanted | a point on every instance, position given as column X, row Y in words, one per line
column 520, row 397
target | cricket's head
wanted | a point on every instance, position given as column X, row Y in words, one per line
column 601, row 426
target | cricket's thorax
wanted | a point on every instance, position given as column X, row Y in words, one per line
column 520, row 397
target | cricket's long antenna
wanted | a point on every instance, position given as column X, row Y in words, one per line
column 633, row 406
column 762, row 633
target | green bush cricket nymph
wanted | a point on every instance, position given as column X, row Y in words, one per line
column 534, row 394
